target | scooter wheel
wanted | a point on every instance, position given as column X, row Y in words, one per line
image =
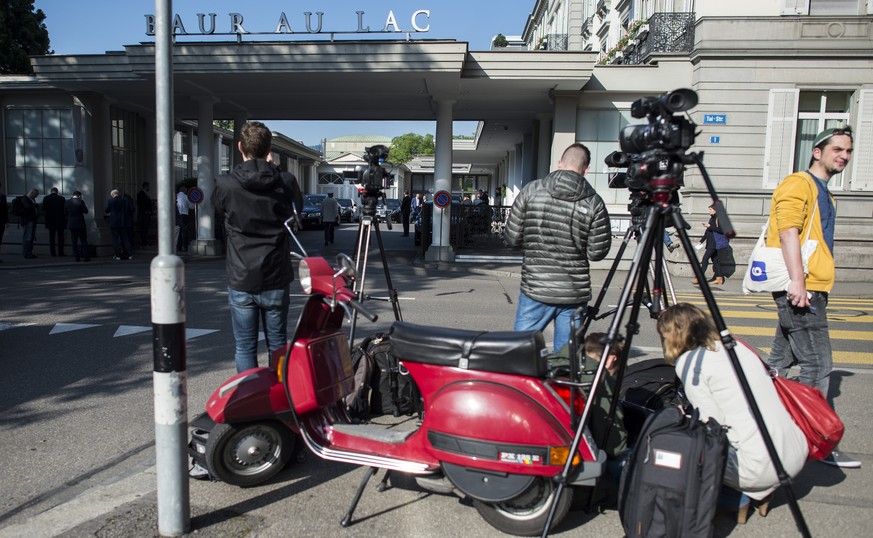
column 526, row 514
column 248, row 454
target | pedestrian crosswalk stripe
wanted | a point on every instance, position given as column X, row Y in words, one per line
column 127, row 330
column 835, row 316
column 847, row 357
column 836, row 334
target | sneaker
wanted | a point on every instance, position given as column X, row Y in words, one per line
column 197, row 472
column 672, row 246
column 840, row 459
column 116, row 258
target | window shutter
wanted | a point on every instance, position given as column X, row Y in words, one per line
column 862, row 160
column 781, row 132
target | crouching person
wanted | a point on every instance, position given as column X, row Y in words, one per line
column 691, row 343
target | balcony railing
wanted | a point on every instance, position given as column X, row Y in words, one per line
column 557, row 42
column 668, row 32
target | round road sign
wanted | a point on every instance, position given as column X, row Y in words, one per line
column 442, row 199
column 195, row 195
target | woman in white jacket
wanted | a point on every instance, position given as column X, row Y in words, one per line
column 692, row 344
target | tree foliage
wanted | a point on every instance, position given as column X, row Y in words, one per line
column 405, row 147
column 224, row 124
column 500, row 41
column 22, row 34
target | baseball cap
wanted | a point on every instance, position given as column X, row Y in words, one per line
column 823, row 136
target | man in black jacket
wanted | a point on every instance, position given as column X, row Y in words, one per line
column 28, row 223
column 55, row 222
column 561, row 224
column 256, row 199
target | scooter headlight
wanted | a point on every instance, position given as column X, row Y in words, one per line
column 305, row 277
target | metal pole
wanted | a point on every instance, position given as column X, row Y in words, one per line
column 168, row 307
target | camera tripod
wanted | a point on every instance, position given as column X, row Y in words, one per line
column 660, row 212
column 368, row 225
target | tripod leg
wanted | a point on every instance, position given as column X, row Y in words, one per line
column 392, row 293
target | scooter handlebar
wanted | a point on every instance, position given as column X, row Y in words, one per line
column 363, row 310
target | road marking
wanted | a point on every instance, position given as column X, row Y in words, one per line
column 5, row 326
column 847, row 357
column 67, row 327
column 836, row 334
column 127, row 330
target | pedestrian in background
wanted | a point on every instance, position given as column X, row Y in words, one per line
column 803, row 205
column 118, row 212
column 28, row 223
column 144, row 213
column 405, row 211
column 75, row 211
column 561, row 224
column 4, row 216
column 183, row 207
column 256, row 199
column 330, row 215
column 55, row 223
column 713, row 239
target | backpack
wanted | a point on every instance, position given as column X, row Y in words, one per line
column 382, row 386
column 396, row 392
column 672, row 480
column 647, row 387
column 17, row 207
column 358, row 401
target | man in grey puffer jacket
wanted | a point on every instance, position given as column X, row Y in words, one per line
column 561, row 224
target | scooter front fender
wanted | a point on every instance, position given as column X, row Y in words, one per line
column 251, row 395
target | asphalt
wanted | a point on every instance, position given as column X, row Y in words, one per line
column 126, row 505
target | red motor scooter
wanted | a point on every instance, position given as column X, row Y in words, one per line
column 495, row 427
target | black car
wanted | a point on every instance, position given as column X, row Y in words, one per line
column 388, row 207
column 311, row 214
column 347, row 209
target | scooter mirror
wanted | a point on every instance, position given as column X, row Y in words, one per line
column 346, row 265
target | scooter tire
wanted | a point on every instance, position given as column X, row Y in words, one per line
column 248, row 454
column 526, row 514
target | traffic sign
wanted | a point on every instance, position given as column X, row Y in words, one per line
column 442, row 199
column 195, row 195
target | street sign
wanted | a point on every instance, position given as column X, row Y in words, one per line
column 715, row 119
column 714, row 139
column 442, row 199
column 195, row 195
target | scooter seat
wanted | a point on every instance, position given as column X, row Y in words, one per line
column 506, row 352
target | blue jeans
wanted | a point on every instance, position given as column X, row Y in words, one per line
column 28, row 237
column 246, row 309
column 534, row 315
column 802, row 338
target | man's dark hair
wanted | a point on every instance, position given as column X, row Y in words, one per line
column 576, row 156
column 255, row 140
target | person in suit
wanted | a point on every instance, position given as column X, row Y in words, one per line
column 117, row 208
column 144, row 213
column 75, row 211
column 55, row 223
column 405, row 211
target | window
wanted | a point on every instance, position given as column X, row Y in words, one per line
column 822, row 7
column 128, row 162
column 599, row 130
column 39, row 147
column 330, row 178
column 795, row 117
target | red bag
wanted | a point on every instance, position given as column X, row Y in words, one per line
column 810, row 410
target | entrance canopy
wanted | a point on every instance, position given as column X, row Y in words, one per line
column 349, row 80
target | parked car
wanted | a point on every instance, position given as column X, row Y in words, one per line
column 347, row 209
column 388, row 207
column 311, row 214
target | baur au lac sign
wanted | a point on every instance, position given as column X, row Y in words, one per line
column 207, row 24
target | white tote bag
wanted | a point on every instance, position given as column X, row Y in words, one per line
column 767, row 271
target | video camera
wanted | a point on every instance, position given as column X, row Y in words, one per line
column 374, row 178
column 654, row 153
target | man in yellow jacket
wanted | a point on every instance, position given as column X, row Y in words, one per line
column 803, row 207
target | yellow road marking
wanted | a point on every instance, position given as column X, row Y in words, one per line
column 836, row 334
column 847, row 357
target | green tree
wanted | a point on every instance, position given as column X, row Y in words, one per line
column 224, row 124
column 499, row 41
column 22, row 34
column 405, row 147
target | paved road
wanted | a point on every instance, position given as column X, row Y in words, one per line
column 76, row 416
